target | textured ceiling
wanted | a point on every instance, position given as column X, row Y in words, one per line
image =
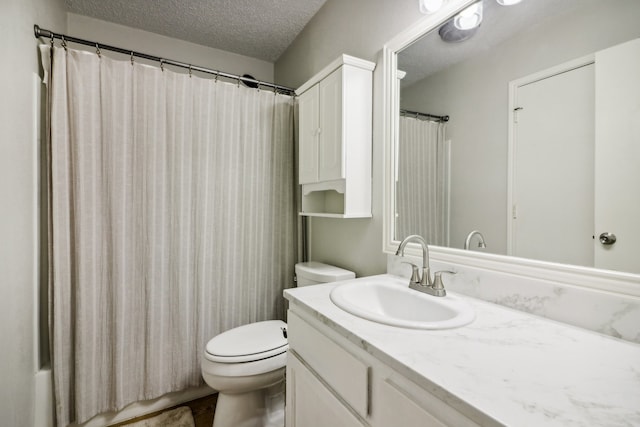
column 260, row 29
column 430, row 54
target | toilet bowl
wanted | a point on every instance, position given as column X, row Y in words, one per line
column 246, row 364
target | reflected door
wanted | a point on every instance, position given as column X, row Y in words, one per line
column 618, row 157
column 553, row 168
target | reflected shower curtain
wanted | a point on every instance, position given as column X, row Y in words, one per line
column 422, row 188
column 172, row 220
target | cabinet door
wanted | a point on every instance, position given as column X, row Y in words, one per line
column 309, row 129
column 330, row 152
column 310, row 403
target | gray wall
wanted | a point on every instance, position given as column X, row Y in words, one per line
column 359, row 28
column 19, row 258
column 475, row 94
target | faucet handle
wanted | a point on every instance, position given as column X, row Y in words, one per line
column 415, row 275
column 437, row 280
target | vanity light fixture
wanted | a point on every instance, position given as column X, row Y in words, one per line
column 450, row 34
column 469, row 18
column 430, row 6
column 465, row 24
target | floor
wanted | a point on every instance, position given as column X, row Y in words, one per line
column 202, row 410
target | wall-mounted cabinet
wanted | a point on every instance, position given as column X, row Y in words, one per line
column 335, row 132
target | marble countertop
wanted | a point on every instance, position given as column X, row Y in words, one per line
column 506, row 368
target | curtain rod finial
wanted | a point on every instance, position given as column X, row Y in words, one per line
column 39, row 32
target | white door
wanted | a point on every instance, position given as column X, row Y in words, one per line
column 310, row 403
column 553, row 178
column 617, row 190
column 330, row 151
column 309, row 129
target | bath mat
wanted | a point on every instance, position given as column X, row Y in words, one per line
column 179, row 417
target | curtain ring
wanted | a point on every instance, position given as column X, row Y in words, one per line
column 259, row 83
column 190, row 71
column 162, row 65
column 98, row 51
column 238, row 81
column 64, row 43
column 131, row 57
column 217, row 75
column 51, row 40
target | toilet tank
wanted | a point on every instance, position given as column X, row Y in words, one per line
column 313, row 273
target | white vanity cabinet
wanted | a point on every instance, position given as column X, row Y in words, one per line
column 325, row 384
column 335, row 133
column 311, row 402
column 332, row 382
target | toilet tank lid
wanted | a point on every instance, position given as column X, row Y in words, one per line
column 323, row 272
column 249, row 342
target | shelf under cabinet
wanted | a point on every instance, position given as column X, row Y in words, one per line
column 332, row 215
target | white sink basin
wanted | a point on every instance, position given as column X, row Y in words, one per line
column 387, row 301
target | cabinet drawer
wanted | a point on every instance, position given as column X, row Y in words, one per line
column 398, row 401
column 347, row 375
column 396, row 408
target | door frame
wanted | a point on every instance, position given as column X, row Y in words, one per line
column 514, row 85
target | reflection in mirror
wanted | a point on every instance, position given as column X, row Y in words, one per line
column 422, row 190
column 541, row 150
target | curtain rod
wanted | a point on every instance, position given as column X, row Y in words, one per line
column 429, row 116
column 39, row 32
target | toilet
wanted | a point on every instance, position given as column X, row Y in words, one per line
column 246, row 364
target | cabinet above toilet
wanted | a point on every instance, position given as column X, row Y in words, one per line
column 335, row 132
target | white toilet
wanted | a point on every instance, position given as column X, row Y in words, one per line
column 246, row 364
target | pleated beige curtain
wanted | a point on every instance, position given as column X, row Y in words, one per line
column 422, row 187
column 172, row 220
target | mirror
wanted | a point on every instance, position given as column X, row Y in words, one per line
column 542, row 144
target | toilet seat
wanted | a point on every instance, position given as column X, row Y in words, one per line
column 244, row 369
column 248, row 343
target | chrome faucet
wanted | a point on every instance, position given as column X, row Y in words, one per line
column 418, row 282
column 467, row 241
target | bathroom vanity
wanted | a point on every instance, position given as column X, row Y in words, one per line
column 555, row 342
column 506, row 368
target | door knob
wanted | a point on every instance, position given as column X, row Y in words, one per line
column 607, row 238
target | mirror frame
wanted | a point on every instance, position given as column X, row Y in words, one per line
column 606, row 280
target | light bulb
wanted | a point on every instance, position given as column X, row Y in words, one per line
column 469, row 18
column 430, row 6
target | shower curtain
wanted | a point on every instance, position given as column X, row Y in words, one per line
column 422, row 187
column 172, row 219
